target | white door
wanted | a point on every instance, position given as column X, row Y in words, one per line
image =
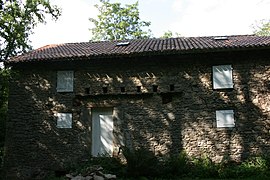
column 102, row 131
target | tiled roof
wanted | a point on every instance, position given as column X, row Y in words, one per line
column 143, row 47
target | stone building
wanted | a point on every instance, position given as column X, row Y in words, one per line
column 203, row 95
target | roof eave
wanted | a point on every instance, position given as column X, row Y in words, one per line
column 141, row 54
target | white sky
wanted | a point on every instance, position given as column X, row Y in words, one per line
column 187, row 17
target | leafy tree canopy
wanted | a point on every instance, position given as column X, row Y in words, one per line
column 262, row 28
column 17, row 20
column 115, row 22
column 170, row 34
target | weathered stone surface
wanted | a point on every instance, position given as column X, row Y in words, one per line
column 183, row 119
column 96, row 177
column 78, row 178
column 110, row 176
column 88, row 178
column 69, row 176
column 92, row 172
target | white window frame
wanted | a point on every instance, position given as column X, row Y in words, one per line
column 225, row 119
column 64, row 120
column 65, row 81
column 222, row 77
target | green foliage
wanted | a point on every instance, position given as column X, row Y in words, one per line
column 182, row 166
column 176, row 165
column 118, row 23
column 251, row 168
column 5, row 75
column 262, row 28
column 203, row 167
column 141, row 162
column 170, row 34
column 17, row 19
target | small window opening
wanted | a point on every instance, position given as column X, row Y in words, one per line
column 87, row 90
column 166, row 98
column 122, row 89
column 105, row 90
column 225, row 118
column 172, row 87
column 64, row 120
column 138, row 88
column 155, row 88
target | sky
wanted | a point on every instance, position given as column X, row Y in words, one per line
column 189, row 18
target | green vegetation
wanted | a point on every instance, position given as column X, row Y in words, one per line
column 17, row 20
column 262, row 28
column 142, row 164
column 5, row 75
column 170, row 34
column 118, row 23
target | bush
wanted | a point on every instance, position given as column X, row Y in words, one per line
column 176, row 165
column 141, row 162
column 251, row 168
column 203, row 167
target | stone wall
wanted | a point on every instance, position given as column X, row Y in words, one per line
column 166, row 104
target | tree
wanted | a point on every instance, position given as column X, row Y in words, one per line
column 170, row 34
column 17, row 20
column 262, row 28
column 5, row 75
column 117, row 23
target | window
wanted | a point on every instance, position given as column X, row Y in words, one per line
column 155, row 88
column 64, row 81
column 172, row 87
column 105, row 90
column 222, row 77
column 122, row 89
column 225, row 118
column 138, row 89
column 64, row 120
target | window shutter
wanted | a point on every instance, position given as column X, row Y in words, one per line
column 225, row 118
column 222, row 77
column 64, row 81
column 64, row 120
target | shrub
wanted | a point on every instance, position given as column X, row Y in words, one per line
column 203, row 167
column 176, row 165
column 252, row 167
column 141, row 162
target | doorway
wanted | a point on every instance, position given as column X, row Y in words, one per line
column 102, row 132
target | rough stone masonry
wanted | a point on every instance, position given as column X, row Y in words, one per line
column 164, row 103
